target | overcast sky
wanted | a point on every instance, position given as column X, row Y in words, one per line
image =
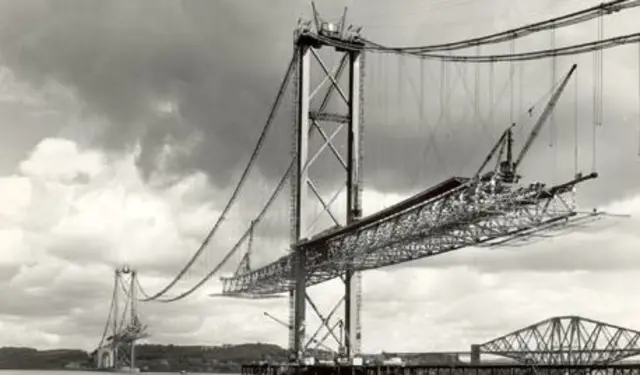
column 125, row 125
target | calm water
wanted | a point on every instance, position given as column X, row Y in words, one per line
column 34, row 372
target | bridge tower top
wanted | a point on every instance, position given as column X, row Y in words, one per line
column 322, row 32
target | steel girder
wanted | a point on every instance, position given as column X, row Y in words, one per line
column 473, row 213
column 122, row 344
column 567, row 340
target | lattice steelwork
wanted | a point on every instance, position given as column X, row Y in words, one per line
column 567, row 340
column 117, row 350
column 489, row 209
column 455, row 214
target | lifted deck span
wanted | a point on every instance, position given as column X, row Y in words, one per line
column 490, row 208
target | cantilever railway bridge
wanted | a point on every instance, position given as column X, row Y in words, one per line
column 492, row 205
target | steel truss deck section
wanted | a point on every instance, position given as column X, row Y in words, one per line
column 458, row 369
column 474, row 213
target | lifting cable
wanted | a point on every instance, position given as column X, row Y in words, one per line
column 529, row 113
column 243, row 178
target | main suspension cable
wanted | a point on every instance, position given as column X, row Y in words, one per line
column 557, row 22
column 539, row 54
column 237, row 245
column 243, row 178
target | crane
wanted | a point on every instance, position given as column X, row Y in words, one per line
column 507, row 169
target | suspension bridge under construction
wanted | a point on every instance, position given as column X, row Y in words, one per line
column 494, row 204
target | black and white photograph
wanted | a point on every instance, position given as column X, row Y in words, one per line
column 320, row 187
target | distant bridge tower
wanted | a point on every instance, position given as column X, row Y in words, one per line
column 123, row 328
column 315, row 113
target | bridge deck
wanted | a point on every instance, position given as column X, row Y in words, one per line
column 453, row 215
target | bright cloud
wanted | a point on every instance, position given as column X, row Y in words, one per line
column 63, row 234
column 70, row 214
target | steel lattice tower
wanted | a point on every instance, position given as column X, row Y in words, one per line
column 117, row 349
column 306, row 46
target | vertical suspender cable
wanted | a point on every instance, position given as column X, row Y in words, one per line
column 575, row 124
column 447, row 95
column 442, row 85
column 491, row 67
column 596, row 101
column 421, row 108
column 386, row 94
column 554, row 64
column 552, row 118
column 477, row 86
column 600, row 71
column 422, row 121
column 520, row 85
column 400, row 104
column 511, row 74
column 424, row 128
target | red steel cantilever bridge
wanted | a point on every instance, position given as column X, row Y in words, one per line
column 491, row 207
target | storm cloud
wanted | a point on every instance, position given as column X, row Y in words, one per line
column 126, row 124
column 198, row 78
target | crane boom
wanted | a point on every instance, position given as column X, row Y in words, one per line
column 544, row 116
column 491, row 153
